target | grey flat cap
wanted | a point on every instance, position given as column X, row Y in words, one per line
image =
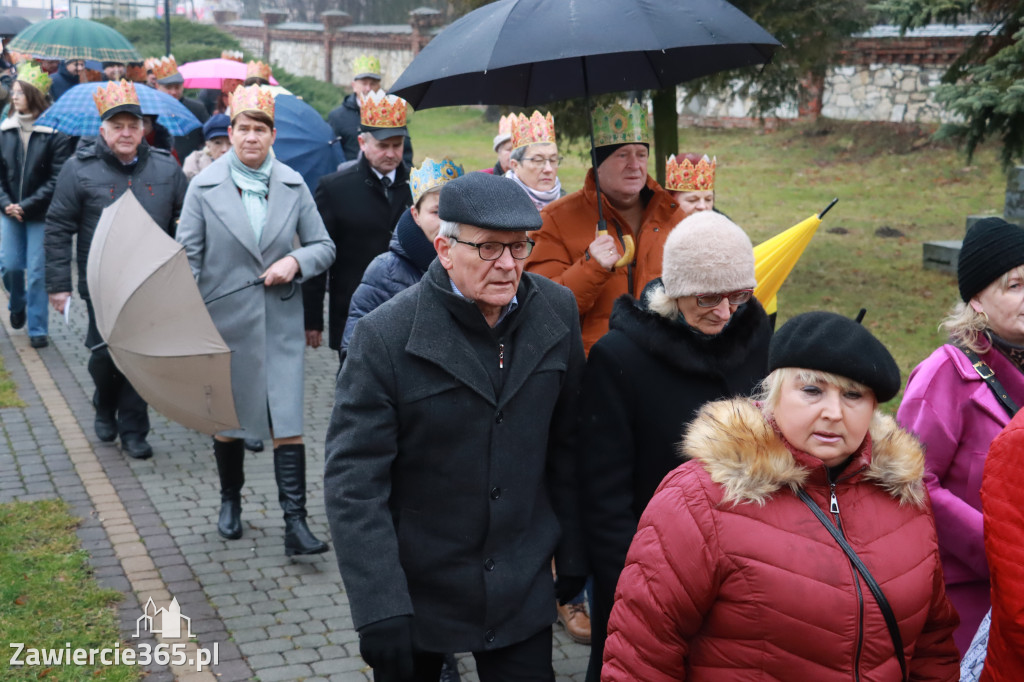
column 489, row 201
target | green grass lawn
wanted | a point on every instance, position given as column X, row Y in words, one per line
column 884, row 175
column 8, row 389
column 48, row 598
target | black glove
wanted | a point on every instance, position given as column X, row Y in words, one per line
column 568, row 586
column 386, row 646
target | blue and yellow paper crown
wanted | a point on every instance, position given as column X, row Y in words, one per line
column 619, row 125
column 431, row 175
column 366, row 66
column 32, row 74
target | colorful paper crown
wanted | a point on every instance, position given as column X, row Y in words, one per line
column 257, row 69
column 432, row 175
column 378, row 110
column 252, row 98
column 30, row 73
column 505, row 124
column 366, row 66
column 534, row 130
column 233, row 55
column 690, row 173
column 163, row 67
column 618, row 125
column 117, row 94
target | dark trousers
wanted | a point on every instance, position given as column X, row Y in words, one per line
column 526, row 661
column 114, row 393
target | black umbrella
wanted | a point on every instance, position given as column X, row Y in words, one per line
column 12, row 24
column 528, row 52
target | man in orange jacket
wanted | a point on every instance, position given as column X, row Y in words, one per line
column 639, row 214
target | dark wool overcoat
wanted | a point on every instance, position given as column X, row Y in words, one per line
column 450, row 485
column 645, row 380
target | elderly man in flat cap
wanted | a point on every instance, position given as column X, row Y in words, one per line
column 449, row 475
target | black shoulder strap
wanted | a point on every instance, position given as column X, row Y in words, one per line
column 989, row 377
column 883, row 603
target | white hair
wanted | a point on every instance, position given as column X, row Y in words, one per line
column 449, row 230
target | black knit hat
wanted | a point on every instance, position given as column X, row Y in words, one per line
column 991, row 248
column 831, row 343
column 601, row 154
column 489, row 201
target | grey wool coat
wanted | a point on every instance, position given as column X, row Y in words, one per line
column 264, row 330
column 448, row 490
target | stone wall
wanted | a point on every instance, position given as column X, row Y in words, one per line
column 899, row 93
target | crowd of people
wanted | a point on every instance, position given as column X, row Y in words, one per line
column 556, row 405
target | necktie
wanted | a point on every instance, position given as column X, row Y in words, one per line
column 386, row 181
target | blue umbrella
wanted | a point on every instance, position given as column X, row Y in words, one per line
column 304, row 140
column 75, row 112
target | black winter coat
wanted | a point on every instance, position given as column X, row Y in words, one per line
column 29, row 176
column 92, row 179
column 344, row 121
column 360, row 219
column 645, row 380
column 402, row 265
column 192, row 140
column 449, row 480
column 62, row 81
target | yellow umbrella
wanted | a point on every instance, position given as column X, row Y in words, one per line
column 774, row 259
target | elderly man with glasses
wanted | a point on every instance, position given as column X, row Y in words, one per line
column 449, row 480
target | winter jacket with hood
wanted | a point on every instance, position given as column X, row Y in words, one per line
column 28, row 176
column 955, row 415
column 63, row 80
column 1001, row 491
column 570, row 225
column 645, row 380
column 402, row 265
column 730, row 577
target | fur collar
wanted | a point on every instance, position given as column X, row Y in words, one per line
column 741, row 452
column 10, row 123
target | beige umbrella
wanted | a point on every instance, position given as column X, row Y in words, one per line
column 153, row 319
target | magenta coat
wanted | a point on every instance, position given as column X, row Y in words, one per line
column 956, row 416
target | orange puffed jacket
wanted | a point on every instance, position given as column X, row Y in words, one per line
column 1002, row 488
column 570, row 225
column 732, row 578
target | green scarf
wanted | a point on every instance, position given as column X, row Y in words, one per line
column 255, row 185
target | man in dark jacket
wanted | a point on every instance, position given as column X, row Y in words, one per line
column 360, row 206
column 66, row 77
column 344, row 119
column 449, row 479
column 92, row 179
column 170, row 81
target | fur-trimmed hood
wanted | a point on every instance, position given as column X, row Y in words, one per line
column 741, row 452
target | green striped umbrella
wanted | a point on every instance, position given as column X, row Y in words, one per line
column 74, row 38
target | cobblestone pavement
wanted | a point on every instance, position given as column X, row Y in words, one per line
column 150, row 526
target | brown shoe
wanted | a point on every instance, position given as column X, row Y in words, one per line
column 576, row 622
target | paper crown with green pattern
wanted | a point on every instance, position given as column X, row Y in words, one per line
column 432, row 175
column 29, row 72
column 366, row 66
column 619, row 125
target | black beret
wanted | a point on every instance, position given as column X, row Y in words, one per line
column 831, row 343
column 489, row 201
column 991, row 248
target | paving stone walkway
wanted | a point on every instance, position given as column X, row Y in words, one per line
column 150, row 526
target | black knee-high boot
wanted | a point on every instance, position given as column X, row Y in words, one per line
column 230, row 457
column 290, row 471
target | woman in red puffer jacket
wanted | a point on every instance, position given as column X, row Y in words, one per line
column 731, row 576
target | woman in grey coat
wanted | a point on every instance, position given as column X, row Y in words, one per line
column 241, row 219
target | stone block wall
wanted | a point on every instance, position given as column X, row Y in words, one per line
column 898, row 93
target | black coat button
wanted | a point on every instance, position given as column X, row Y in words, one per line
column 495, row 492
column 500, row 417
column 489, row 636
column 489, row 565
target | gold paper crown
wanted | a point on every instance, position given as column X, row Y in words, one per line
column 618, row 125
column 382, row 111
column 505, row 125
column 233, row 55
column 257, row 69
column 366, row 64
column 534, row 130
column 162, row 67
column 252, row 98
column 432, row 175
column 30, row 73
column 114, row 95
column 690, row 173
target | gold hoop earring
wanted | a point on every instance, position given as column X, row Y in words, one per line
column 983, row 316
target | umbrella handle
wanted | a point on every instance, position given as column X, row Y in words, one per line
column 630, row 249
column 292, row 288
column 828, row 208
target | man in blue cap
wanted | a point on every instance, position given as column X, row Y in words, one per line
column 449, row 480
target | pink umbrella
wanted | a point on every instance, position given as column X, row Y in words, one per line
column 211, row 73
